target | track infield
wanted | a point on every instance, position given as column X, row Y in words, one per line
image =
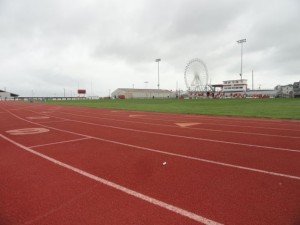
column 72, row 165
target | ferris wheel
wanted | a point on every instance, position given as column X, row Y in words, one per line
column 196, row 76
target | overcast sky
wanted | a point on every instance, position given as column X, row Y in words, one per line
column 48, row 46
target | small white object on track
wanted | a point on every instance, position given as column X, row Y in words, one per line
column 164, row 163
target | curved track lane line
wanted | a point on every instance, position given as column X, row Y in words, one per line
column 133, row 193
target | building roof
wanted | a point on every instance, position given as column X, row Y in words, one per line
column 143, row 90
column 11, row 94
column 218, row 85
column 236, row 80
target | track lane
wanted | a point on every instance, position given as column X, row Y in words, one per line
column 272, row 124
column 155, row 207
column 137, row 119
column 291, row 217
column 284, row 163
column 10, row 123
column 276, row 141
column 214, row 192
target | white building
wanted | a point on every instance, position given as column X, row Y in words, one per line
column 296, row 89
column 133, row 93
column 4, row 95
column 286, row 91
column 233, row 86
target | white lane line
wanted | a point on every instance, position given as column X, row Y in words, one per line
column 210, row 123
column 54, row 121
column 38, row 117
column 133, row 193
column 168, row 153
column 193, row 128
column 59, row 142
column 187, row 137
column 27, row 131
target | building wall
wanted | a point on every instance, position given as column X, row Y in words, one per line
column 4, row 95
column 232, row 86
column 142, row 93
column 296, row 89
column 270, row 93
column 286, row 91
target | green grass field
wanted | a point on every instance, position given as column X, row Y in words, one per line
column 262, row 108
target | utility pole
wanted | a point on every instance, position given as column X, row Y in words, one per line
column 241, row 42
column 158, row 60
column 252, row 81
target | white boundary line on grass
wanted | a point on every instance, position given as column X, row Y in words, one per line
column 133, row 193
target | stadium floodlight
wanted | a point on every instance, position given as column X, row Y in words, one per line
column 158, row 60
column 241, row 42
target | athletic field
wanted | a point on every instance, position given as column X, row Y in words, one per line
column 81, row 165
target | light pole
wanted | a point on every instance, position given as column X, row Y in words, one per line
column 241, row 42
column 158, row 60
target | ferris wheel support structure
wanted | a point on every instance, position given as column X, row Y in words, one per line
column 196, row 76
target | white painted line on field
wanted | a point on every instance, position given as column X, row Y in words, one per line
column 168, row 153
column 59, row 142
column 133, row 193
column 134, row 116
column 210, row 123
column 186, row 124
column 186, row 137
column 38, row 117
column 27, row 131
column 54, row 121
column 197, row 128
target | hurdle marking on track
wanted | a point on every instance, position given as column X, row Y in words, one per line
column 128, row 191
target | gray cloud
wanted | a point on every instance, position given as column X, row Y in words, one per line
column 50, row 46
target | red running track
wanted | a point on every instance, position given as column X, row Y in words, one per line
column 95, row 166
